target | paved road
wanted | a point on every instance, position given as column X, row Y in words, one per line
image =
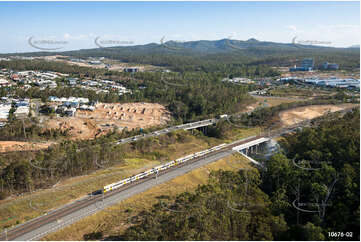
column 36, row 234
column 254, row 94
column 76, row 213
column 193, row 125
column 187, row 126
column 90, row 208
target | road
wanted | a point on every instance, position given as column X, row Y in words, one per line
column 13, row 233
column 277, row 97
column 187, row 126
column 68, row 214
column 198, row 124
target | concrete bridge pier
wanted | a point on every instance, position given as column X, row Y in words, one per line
column 251, row 147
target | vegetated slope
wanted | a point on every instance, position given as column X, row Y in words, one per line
column 101, row 170
column 112, row 221
column 206, row 55
column 330, row 186
column 246, row 206
column 230, row 207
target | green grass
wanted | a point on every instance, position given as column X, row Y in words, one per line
column 18, row 210
column 115, row 219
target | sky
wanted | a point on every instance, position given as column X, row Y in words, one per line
column 28, row 26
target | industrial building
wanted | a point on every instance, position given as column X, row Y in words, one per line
column 329, row 66
column 307, row 65
column 340, row 83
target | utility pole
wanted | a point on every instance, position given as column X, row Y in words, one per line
column 6, row 234
column 156, row 177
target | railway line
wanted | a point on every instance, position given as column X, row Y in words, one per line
column 60, row 213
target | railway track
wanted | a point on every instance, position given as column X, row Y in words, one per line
column 68, row 209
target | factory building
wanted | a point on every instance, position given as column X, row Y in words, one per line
column 307, row 65
column 329, row 66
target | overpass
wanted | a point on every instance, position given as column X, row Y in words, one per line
column 207, row 122
column 188, row 126
column 251, row 146
column 70, row 213
column 198, row 124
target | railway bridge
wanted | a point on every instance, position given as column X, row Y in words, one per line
column 251, row 147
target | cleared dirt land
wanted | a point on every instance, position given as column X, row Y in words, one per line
column 106, row 116
column 296, row 115
column 130, row 115
column 114, row 64
column 7, row 146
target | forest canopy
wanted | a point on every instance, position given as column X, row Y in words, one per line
column 267, row 205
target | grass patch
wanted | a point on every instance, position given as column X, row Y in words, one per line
column 274, row 101
column 236, row 134
column 115, row 219
column 23, row 208
column 297, row 92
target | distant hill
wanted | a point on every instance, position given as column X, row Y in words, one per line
column 204, row 54
column 207, row 47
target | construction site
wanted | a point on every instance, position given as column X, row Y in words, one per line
column 109, row 116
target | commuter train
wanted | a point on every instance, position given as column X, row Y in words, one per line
column 156, row 169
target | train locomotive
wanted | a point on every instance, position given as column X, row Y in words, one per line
column 159, row 168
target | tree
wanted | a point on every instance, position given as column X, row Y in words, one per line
column 312, row 232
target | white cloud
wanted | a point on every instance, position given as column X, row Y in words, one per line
column 292, row 27
column 340, row 35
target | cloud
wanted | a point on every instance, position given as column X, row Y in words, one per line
column 292, row 27
column 341, row 35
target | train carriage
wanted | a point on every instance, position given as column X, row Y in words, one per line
column 156, row 169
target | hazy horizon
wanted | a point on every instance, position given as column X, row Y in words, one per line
column 78, row 24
